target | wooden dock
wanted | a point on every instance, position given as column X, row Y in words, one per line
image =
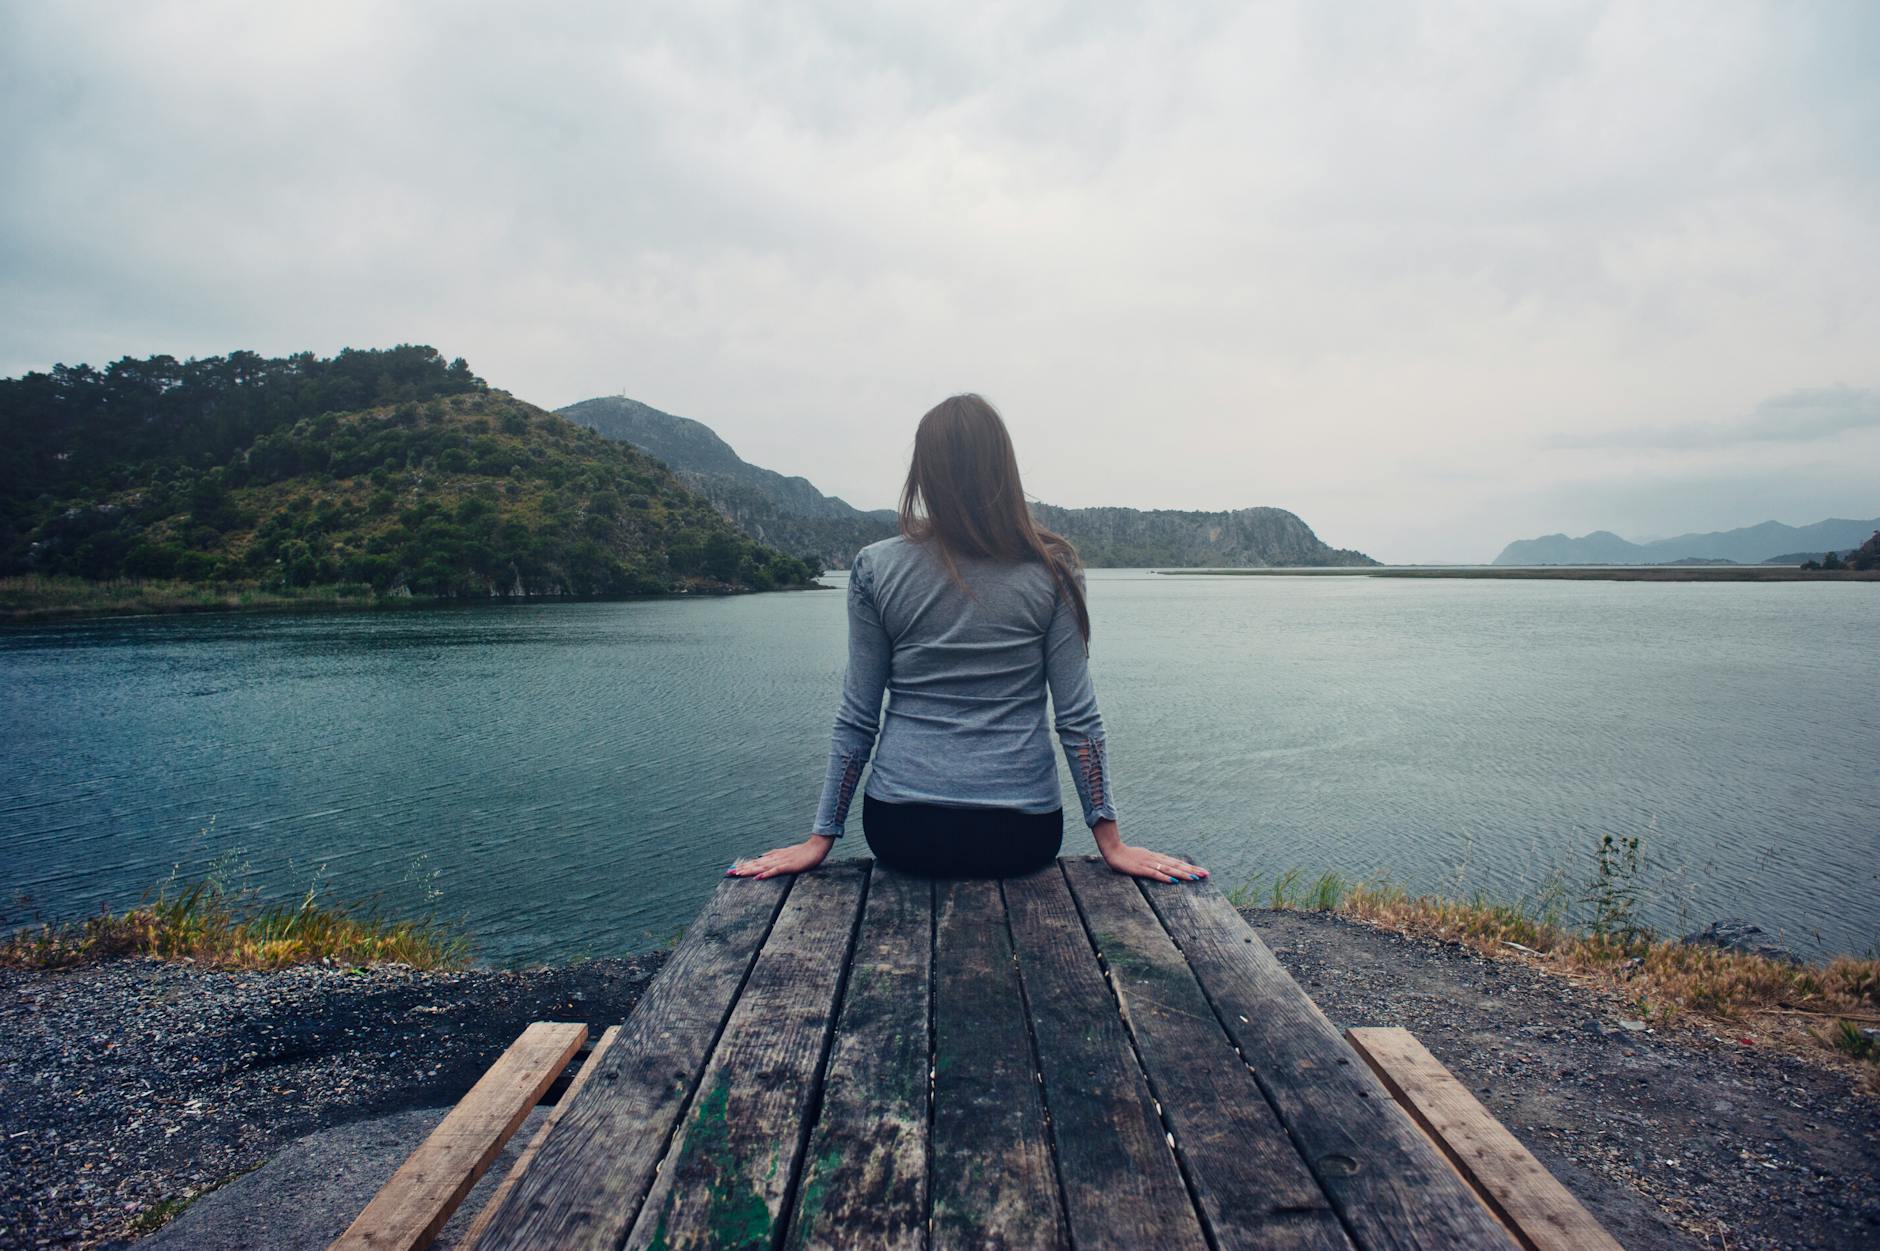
column 856, row 1058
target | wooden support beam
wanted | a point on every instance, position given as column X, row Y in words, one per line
column 409, row 1209
column 1514, row 1185
column 527, row 1154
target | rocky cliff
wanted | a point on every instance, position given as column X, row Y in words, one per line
column 1244, row 538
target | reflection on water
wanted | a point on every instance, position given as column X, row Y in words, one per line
column 573, row 778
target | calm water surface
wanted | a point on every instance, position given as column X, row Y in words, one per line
column 573, row 779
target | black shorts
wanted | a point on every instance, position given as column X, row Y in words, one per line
column 933, row 840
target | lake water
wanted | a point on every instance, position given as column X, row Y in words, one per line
column 573, row 779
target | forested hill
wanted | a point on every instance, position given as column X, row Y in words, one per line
column 388, row 468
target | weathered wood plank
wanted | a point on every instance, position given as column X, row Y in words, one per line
column 993, row 1183
column 1252, row 1187
column 1542, row 1213
column 726, row 1183
column 1388, row 1184
column 864, row 1179
column 1122, row 1186
column 411, row 1207
column 596, row 1163
column 527, row 1155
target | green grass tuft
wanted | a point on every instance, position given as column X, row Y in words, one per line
column 1853, row 1041
column 214, row 925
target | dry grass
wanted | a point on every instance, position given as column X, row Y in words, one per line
column 1663, row 980
column 207, row 923
column 1477, row 923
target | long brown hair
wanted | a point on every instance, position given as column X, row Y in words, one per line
column 963, row 492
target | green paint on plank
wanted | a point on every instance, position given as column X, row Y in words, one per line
column 736, row 1215
column 815, row 1192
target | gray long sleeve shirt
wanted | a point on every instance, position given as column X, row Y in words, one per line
column 966, row 679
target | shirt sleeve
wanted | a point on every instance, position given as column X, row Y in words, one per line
column 858, row 716
column 1074, row 705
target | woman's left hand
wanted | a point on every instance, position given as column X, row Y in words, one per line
column 1141, row 862
column 795, row 858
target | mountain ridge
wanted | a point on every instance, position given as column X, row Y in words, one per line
column 788, row 512
column 1747, row 545
column 779, row 509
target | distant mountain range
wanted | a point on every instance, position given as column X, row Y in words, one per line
column 1748, row 546
column 790, row 513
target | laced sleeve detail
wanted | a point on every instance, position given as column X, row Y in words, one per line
column 858, row 715
column 1078, row 723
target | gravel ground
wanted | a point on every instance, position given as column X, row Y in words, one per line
column 1675, row 1139
column 135, row 1083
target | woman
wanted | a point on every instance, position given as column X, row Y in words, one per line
column 967, row 615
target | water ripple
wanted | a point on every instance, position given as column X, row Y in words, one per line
column 571, row 779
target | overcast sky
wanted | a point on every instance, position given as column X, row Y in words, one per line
column 1432, row 276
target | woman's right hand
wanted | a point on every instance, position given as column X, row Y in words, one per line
column 796, row 858
column 1140, row 861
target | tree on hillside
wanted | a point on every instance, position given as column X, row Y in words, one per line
column 383, row 469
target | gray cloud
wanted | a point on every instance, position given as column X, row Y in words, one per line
column 1204, row 255
column 1794, row 417
column 1814, row 414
